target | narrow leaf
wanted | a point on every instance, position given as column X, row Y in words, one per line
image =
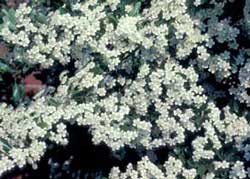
column 17, row 92
column 5, row 146
column 12, row 16
column 4, row 67
column 41, row 18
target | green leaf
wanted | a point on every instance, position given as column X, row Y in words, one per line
column 136, row 9
column 41, row 18
column 62, row 10
column 4, row 67
column 51, row 101
column 43, row 125
column 220, row 155
column 5, row 12
column 4, row 145
column 180, row 74
column 112, row 18
column 12, row 16
column 236, row 107
column 26, row 68
column 177, row 151
column 17, row 92
column 1, row 27
column 201, row 170
column 190, row 163
column 12, row 27
column 97, row 70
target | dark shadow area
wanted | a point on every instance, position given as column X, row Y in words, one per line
column 85, row 157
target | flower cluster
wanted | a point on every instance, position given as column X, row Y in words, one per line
column 141, row 79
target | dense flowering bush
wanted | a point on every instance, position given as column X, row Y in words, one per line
column 146, row 75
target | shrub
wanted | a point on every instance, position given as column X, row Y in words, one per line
column 144, row 75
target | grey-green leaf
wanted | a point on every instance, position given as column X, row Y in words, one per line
column 17, row 92
column 4, row 67
column 12, row 16
column 41, row 18
column 4, row 145
column 136, row 9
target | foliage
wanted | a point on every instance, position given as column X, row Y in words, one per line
column 144, row 74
